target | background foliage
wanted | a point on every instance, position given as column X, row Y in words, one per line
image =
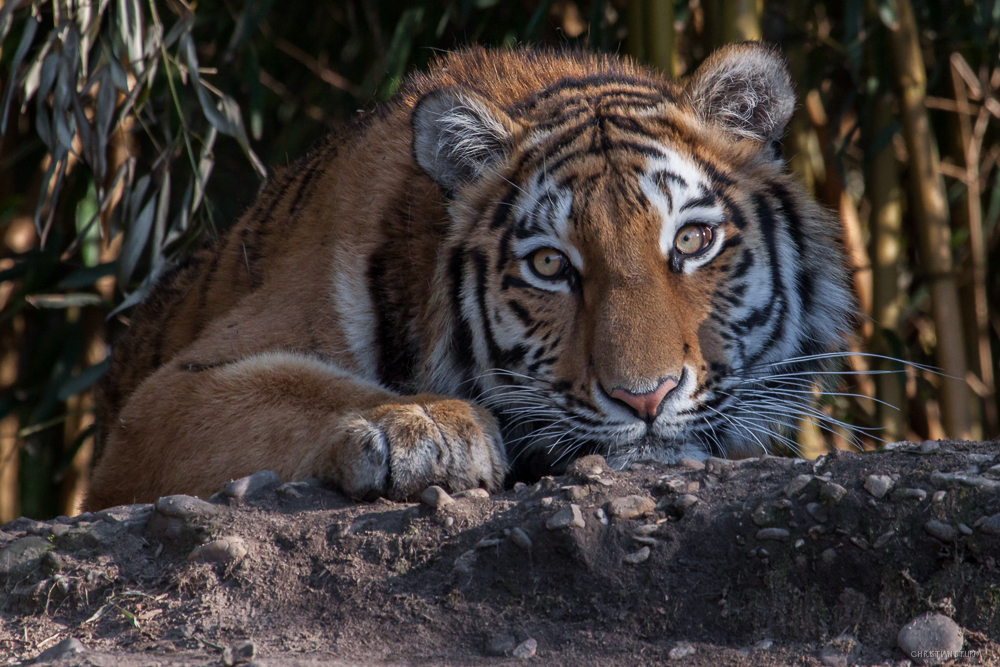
column 136, row 128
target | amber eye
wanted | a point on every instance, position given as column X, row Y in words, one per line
column 693, row 239
column 549, row 263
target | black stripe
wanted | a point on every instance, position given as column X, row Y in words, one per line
column 499, row 357
column 462, row 334
column 397, row 354
column 804, row 283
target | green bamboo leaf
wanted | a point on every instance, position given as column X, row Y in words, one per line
column 86, row 277
column 27, row 38
column 399, row 49
column 83, row 380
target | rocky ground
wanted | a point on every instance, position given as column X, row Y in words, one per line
column 757, row 562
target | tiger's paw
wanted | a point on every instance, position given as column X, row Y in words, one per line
column 399, row 450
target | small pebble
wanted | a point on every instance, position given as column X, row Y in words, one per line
column 715, row 464
column 682, row 650
column 929, row 447
column 878, row 485
column 251, row 486
column 567, row 517
column 601, row 516
column 691, row 464
column 799, row 482
column 436, row 497
column 938, row 496
column 685, row 500
column 637, row 557
column 931, row 639
column 832, row 494
column 592, row 464
column 779, row 534
column 487, row 543
column 990, row 525
column 799, row 543
column 222, row 550
column 965, row 530
column 20, row 554
column 831, row 657
column 65, row 649
column 763, row 645
column 480, row 494
column 940, row 530
column 883, row 539
column 525, row 649
column 520, row 538
column 912, row 494
column 829, row 556
column 574, row 492
column 546, row 501
column 645, row 529
column 818, row 512
column 186, row 507
column 630, row 506
column 239, row 654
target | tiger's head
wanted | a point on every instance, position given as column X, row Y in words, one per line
column 631, row 270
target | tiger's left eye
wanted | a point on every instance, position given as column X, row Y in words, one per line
column 693, row 238
column 549, row 263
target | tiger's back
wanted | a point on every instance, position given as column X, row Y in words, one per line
column 410, row 253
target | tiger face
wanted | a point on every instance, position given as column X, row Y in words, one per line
column 633, row 272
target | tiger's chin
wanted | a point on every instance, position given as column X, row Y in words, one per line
column 653, row 448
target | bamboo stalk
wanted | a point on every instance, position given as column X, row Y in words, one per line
column 972, row 141
column 885, row 224
column 659, row 37
column 930, row 211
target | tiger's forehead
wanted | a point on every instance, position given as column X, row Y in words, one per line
column 645, row 199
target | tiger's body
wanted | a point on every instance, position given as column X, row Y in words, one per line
column 523, row 257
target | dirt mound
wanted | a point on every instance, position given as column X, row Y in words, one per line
column 763, row 561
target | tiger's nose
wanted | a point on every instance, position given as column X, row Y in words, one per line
column 645, row 405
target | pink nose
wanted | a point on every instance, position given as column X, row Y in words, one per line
column 645, row 405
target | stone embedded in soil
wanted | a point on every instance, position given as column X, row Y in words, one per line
column 585, row 466
column 436, row 497
column 831, row 657
column 253, row 485
column 525, row 649
column 629, row 507
column 239, row 654
column 912, row 494
column 691, row 464
column 799, row 482
column 22, row 554
column 601, row 515
column 990, row 525
column 716, row 465
column 640, row 556
column 818, row 512
column 568, row 517
column 883, row 539
column 477, row 493
column 466, row 562
column 574, row 492
column 682, row 650
column 931, row 639
column 940, row 530
column 832, row 494
column 224, row 550
column 929, row 447
column 65, row 649
column 778, row 534
column 878, row 485
column 520, row 538
column 186, row 507
column 828, row 556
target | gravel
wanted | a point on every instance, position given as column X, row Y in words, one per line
column 878, row 485
column 224, row 550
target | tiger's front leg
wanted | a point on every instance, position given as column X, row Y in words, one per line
column 189, row 428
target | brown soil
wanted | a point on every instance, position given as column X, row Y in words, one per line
column 329, row 581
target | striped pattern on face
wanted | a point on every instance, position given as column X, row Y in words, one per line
column 608, row 173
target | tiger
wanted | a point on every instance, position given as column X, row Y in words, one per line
column 524, row 256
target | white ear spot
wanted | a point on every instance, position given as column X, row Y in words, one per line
column 746, row 89
column 457, row 136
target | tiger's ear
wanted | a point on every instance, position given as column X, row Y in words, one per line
column 746, row 89
column 458, row 135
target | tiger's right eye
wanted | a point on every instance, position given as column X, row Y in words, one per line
column 548, row 263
